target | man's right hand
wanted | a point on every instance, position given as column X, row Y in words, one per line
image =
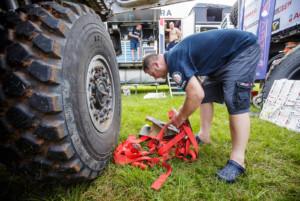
column 177, row 120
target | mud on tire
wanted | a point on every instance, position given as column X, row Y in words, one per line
column 60, row 106
column 288, row 67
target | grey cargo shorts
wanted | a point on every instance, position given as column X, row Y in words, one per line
column 233, row 82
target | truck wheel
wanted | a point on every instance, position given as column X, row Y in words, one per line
column 270, row 67
column 288, row 67
column 60, row 95
column 234, row 14
column 271, row 60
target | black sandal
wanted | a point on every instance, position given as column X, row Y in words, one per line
column 231, row 172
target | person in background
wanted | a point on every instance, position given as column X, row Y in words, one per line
column 135, row 38
column 175, row 35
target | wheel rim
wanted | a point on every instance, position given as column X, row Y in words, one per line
column 100, row 92
column 257, row 101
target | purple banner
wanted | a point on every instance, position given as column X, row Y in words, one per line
column 264, row 30
column 249, row 18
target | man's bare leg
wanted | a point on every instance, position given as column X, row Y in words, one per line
column 132, row 54
column 206, row 116
column 138, row 53
column 240, row 132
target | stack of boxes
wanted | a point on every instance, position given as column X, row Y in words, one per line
column 282, row 106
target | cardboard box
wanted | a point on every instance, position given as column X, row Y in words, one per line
column 282, row 105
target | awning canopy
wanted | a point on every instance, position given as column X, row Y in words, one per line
column 148, row 15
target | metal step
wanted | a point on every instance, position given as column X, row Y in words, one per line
column 175, row 88
column 179, row 93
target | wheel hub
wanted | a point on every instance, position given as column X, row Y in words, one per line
column 100, row 93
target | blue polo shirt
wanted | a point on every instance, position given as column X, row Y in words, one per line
column 136, row 33
column 206, row 52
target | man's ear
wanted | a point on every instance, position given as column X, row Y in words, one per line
column 155, row 64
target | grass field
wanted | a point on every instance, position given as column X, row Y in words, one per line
column 272, row 160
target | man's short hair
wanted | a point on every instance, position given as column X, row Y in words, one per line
column 148, row 60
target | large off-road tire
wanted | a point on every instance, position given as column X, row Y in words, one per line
column 288, row 67
column 234, row 14
column 60, row 92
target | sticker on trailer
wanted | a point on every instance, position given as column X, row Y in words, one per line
column 287, row 14
column 251, row 15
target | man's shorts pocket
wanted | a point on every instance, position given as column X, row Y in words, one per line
column 242, row 94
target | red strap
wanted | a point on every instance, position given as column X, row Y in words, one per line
column 171, row 143
column 160, row 136
column 191, row 137
column 130, row 150
column 161, row 180
column 140, row 165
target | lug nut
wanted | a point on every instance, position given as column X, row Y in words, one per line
column 104, row 110
column 96, row 76
column 101, row 114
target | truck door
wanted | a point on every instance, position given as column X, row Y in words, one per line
column 188, row 25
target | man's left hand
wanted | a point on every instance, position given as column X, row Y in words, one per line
column 176, row 120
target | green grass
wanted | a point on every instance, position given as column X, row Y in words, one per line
column 256, row 87
column 147, row 88
column 272, row 160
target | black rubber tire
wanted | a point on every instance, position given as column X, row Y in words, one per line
column 271, row 65
column 46, row 128
column 288, row 67
column 234, row 14
column 277, row 56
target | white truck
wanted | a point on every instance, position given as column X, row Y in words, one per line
column 209, row 16
column 201, row 17
column 153, row 40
